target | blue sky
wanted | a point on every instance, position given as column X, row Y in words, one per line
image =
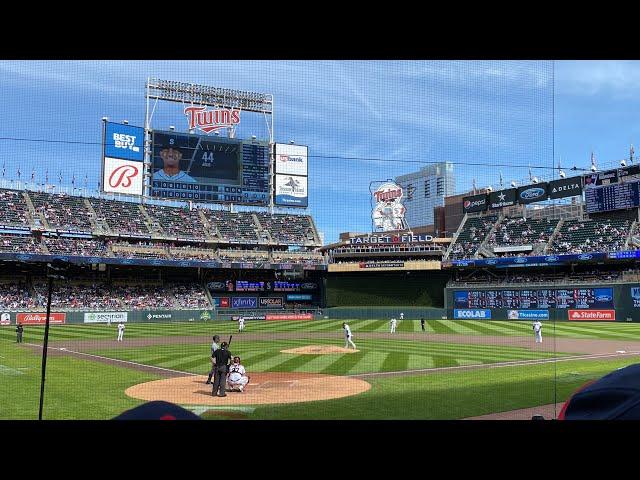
column 362, row 120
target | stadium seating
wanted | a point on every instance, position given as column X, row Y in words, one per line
column 16, row 295
column 13, row 209
column 473, row 233
column 522, row 231
column 288, row 229
column 62, row 212
column 177, row 222
column 595, row 235
column 234, row 227
column 122, row 217
column 19, row 244
column 75, row 246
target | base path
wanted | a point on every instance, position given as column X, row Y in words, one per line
column 263, row 388
column 549, row 412
column 319, row 350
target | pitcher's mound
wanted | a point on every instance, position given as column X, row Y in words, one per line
column 268, row 387
column 319, row 350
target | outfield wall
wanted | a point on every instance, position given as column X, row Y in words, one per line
column 372, row 313
column 386, row 289
column 59, row 317
column 594, row 302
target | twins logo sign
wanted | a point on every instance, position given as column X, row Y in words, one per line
column 122, row 176
column 635, row 295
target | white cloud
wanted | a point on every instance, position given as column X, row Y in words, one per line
column 618, row 79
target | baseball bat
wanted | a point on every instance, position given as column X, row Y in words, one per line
column 229, row 343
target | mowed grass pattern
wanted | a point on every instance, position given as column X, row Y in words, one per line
column 593, row 330
column 374, row 355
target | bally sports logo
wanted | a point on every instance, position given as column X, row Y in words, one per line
column 123, row 176
column 210, row 120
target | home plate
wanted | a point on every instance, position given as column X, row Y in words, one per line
column 621, row 351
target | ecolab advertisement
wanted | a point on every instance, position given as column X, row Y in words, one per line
column 122, row 176
column 40, row 318
column 468, row 313
column 291, row 159
column 291, row 191
column 598, row 315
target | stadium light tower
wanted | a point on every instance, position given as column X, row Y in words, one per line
column 126, row 122
column 105, row 119
column 514, row 184
column 172, row 128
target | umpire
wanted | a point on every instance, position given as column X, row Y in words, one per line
column 222, row 357
column 19, row 332
column 215, row 345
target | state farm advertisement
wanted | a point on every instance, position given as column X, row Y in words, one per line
column 40, row 318
column 289, row 316
column 596, row 315
column 122, row 176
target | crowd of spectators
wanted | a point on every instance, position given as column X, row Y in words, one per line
column 62, row 211
column 75, row 246
column 16, row 296
column 13, row 209
column 288, row 229
column 538, row 278
column 472, row 235
column 19, row 244
column 121, row 217
column 583, row 236
column 522, row 231
column 191, row 296
column 177, row 222
column 234, row 226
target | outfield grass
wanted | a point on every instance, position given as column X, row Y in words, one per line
column 600, row 330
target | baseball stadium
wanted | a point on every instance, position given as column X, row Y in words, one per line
column 420, row 251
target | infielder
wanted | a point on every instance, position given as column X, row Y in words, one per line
column 214, row 346
column 240, row 324
column 537, row 329
column 120, row 331
column 394, row 323
column 401, row 316
column 348, row 336
column 237, row 379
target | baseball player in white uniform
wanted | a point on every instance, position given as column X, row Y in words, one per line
column 240, row 324
column 401, row 316
column 394, row 323
column 537, row 330
column 348, row 336
column 237, row 379
column 120, row 331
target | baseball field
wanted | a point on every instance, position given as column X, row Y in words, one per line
column 300, row 369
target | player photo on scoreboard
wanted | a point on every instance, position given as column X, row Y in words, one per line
column 194, row 159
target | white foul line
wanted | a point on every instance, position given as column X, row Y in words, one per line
column 114, row 359
column 499, row 364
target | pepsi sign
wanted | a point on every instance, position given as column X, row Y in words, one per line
column 475, row 203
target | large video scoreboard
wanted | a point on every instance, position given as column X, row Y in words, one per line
column 201, row 168
column 576, row 298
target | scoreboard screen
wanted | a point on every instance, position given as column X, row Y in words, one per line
column 578, row 298
column 284, row 286
column 197, row 167
column 618, row 196
column 245, row 286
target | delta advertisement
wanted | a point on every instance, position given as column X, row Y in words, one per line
column 105, row 317
column 57, row 318
column 291, row 191
column 291, row 159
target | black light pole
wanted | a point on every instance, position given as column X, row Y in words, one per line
column 45, row 346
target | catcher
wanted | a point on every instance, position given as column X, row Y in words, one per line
column 237, row 379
